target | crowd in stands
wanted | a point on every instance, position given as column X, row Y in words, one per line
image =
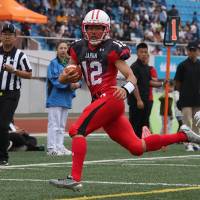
column 130, row 20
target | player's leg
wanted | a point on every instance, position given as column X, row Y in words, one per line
column 96, row 115
column 93, row 117
column 121, row 132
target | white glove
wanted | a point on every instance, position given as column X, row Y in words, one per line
column 197, row 119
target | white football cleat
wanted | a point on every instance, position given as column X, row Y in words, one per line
column 67, row 183
column 191, row 135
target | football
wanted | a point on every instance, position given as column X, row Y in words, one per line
column 72, row 69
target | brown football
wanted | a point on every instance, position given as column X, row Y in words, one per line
column 73, row 69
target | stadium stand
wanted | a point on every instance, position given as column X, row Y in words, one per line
column 132, row 20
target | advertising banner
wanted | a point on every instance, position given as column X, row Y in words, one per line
column 160, row 65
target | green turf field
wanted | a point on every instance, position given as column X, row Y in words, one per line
column 110, row 173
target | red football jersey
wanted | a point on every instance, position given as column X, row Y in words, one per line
column 98, row 64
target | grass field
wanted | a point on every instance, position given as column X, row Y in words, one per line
column 110, row 173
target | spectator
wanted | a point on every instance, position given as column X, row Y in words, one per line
column 139, row 108
column 195, row 18
column 126, row 17
column 55, row 4
column 58, row 102
column 194, row 31
column 148, row 21
column 157, row 50
column 61, row 18
column 163, row 16
column 138, row 116
column 25, row 30
column 14, row 66
column 51, row 42
column 188, row 84
column 173, row 11
column 127, row 34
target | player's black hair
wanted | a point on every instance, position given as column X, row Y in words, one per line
column 142, row 45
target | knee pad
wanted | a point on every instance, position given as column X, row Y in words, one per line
column 136, row 148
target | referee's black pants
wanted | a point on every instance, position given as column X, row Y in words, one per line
column 8, row 104
column 139, row 117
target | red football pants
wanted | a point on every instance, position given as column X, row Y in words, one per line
column 108, row 112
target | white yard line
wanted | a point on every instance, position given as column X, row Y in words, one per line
column 102, row 161
column 102, row 164
column 168, row 165
column 109, row 182
column 134, row 183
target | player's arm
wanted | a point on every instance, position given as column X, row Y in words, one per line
column 69, row 76
column 156, row 83
column 126, row 71
column 131, row 85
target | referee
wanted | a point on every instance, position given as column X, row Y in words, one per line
column 14, row 65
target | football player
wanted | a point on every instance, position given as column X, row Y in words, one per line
column 100, row 58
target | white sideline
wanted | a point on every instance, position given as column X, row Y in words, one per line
column 101, row 161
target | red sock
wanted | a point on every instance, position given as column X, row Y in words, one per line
column 79, row 149
column 155, row 142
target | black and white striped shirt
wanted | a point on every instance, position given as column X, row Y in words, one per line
column 19, row 60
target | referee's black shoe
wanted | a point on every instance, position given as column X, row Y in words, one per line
column 3, row 162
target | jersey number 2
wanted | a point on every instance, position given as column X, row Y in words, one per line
column 94, row 78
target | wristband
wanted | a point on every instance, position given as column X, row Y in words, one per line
column 129, row 87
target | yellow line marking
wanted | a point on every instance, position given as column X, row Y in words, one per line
column 134, row 193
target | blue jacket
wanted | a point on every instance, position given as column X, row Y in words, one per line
column 58, row 94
